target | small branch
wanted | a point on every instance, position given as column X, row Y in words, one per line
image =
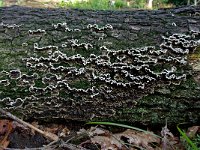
column 48, row 135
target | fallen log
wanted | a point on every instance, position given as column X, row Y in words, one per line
column 136, row 66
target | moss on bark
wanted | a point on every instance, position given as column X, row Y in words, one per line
column 42, row 40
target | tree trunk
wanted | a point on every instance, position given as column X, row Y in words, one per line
column 195, row 2
column 150, row 4
column 188, row 2
column 133, row 66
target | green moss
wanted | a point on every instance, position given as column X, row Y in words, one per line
column 171, row 105
column 190, row 83
column 11, row 59
column 81, row 84
column 189, row 94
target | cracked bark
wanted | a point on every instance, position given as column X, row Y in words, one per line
column 131, row 29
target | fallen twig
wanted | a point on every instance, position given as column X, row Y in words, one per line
column 52, row 143
column 48, row 135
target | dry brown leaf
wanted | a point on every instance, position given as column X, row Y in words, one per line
column 65, row 131
column 51, row 129
column 192, row 131
column 6, row 127
column 107, row 143
column 98, row 131
column 82, row 131
column 104, row 138
column 57, row 129
column 139, row 139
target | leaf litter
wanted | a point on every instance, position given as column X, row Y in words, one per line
column 14, row 133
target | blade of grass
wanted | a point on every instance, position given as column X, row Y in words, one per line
column 1, row 3
column 187, row 138
column 123, row 126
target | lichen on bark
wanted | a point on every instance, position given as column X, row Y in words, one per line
column 73, row 66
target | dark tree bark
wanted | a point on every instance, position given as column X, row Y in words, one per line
column 133, row 66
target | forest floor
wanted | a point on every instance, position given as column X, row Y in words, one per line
column 18, row 134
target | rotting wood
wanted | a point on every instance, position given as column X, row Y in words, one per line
column 94, row 45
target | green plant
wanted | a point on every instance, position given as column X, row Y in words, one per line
column 138, row 4
column 178, row 2
column 123, row 126
column 91, row 4
column 1, row 3
column 187, row 139
column 120, row 4
column 94, row 4
column 196, row 141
